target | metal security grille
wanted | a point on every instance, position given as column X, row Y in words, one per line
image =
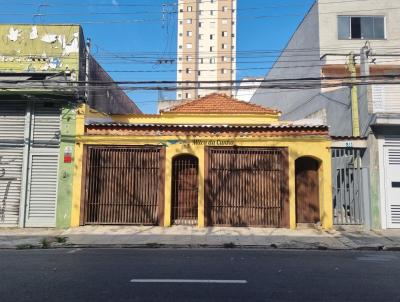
column 46, row 125
column 247, row 187
column 185, row 190
column 12, row 139
column 124, row 185
column 348, row 186
column 42, row 190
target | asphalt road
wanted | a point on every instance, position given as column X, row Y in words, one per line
column 198, row 275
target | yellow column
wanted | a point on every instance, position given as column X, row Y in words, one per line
column 201, row 218
column 326, row 187
column 292, row 189
column 78, row 157
column 169, row 154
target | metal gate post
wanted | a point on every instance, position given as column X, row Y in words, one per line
column 25, row 165
column 366, row 197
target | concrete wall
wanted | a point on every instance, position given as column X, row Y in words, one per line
column 293, row 63
column 330, row 9
column 112, row 99
column 40, row 48
column 319, row 33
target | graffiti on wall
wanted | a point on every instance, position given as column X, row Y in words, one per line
column 8, row 181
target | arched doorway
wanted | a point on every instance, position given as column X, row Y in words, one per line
column 307, row 190
column 185, row 169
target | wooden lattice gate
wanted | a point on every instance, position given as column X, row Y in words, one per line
column 124, row 185
column 247, row 187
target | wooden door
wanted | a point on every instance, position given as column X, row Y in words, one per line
column 185, row 190
column 247, row 187
column 124, row 185
column 307, row 190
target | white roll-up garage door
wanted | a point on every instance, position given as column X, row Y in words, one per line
column 12, row 134
column 392, row 181
column 44, row 158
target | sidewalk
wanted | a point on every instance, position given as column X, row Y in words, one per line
column 187, row 236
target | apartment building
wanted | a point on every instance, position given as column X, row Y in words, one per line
column 206, row 46
column 347, row 39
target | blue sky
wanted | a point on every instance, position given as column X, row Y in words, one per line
column 131, row 36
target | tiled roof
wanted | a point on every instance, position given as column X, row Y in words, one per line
column 220, row 103
column 252, row 127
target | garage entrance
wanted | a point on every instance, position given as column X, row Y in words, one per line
column 185, row 189
column 124, row 185
column 307, row 190
column 247, row 187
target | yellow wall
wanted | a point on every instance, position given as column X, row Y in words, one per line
column 40, row 48
column 202, row 119
column 78, row 165
column 316, row 147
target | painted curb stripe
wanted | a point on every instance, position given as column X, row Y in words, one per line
column 188, row 281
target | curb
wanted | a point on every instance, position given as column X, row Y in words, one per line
column 227, row 246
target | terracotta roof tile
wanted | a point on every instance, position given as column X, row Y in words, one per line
column 220, row 103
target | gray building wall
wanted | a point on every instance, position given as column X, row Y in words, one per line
column 315, row 38
column 299, row 59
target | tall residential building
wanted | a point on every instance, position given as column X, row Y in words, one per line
column 206, row 46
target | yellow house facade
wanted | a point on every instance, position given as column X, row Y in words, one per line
column 207, row 162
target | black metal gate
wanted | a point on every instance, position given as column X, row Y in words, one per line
column 124, row 185
column 247, row 187
column 348, row 180
column 185, row 189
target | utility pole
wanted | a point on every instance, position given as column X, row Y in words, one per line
column 87, row 71
column 351, row 65
column 365, row 90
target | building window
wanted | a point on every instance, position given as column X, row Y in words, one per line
column 180, row 46
column 224, row 59
column 188, row 95
column 189, row 8
column 189, row 45
column 188, row 58
column 223, row 71
column 199, row 72
column 211, row 48
column 211, row 37
column 224, row 33
column 211, row 12
column 200, row 37
column 189, row 33
column 212, row 60
column 201, row 60
column 369, row 27
column 188, row 70
column 224, row 46
column 200, row 23
column 224, row 8
column 212, row 25
column 189, row 21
